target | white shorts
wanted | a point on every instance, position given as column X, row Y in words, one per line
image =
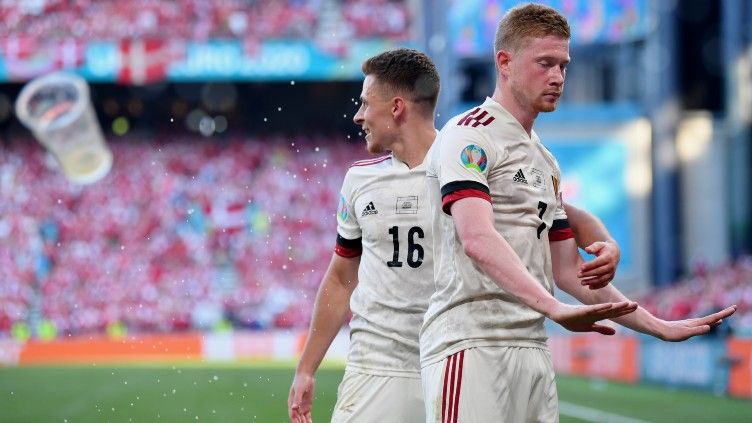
column 364, row 398
column 491, row 384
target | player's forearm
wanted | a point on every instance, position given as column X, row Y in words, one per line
column 641, row 320
column 587, row 228
column 491, row 252
column 330, row 313
column 566, row 261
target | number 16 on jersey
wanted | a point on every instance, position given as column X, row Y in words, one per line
column 414, row 250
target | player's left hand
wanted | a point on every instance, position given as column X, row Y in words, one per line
column 681, row 330
column 599, row 271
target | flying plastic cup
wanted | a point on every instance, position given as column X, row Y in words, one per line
column 58, row 111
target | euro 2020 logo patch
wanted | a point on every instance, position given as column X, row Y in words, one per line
column 473, row 157
column 342, row 209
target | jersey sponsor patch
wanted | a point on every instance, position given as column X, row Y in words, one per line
column 407, row 205
column 473, row 157
column 342, row 213
column 369, row 209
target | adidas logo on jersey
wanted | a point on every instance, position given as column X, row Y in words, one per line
column 520, row 177
column 369, row 210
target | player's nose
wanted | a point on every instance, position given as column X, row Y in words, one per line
column 358, row 118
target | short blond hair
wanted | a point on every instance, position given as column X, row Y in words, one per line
column 529, row 21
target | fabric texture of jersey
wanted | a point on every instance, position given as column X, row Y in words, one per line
column 383, row 215
column 486, row 153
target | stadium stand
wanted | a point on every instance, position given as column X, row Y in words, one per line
column 708, row 290
column 27, row 24
column 244, row 228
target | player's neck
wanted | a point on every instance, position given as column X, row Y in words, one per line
column 524, row 115
column 412, row 147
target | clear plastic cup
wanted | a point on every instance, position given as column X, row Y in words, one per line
column 58, row 111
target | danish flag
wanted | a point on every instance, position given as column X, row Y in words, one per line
column 145, row 61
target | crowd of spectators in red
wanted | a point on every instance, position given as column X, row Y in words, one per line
column 708, row 290
column 187, row 231
column 202, row 20
column 244, row 228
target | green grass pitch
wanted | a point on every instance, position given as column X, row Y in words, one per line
column 250, row 392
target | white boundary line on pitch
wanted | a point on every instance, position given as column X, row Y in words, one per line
column 594, row 415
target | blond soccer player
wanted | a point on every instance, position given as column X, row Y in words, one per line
column 501, row 241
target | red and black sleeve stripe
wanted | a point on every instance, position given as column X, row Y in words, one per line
column 560, row 230
column 348, row 248
column 454, row 191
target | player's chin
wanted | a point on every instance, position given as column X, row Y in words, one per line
column 545, row 106
column 374, row 148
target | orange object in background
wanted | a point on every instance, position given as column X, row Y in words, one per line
column 739, row 352
column 100, row 349
column 613, row 358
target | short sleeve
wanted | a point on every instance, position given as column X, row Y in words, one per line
column 465, row 159
column 349, row 238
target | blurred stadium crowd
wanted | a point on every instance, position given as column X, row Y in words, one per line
column 188, row 231
column 28, row 23
column 177, row 233
column 708, row 290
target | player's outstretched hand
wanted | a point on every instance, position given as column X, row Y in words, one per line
column 585, row 318
column 681, row 330
column 599, row 271
column 300, row 400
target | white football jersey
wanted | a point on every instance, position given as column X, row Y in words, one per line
column 486, row 153
column 383, row 215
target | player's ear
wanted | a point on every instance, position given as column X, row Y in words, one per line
column 398, row 107
column 503, row 57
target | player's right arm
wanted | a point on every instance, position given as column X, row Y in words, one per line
column 473, row 220
column 330, row 312
column 332, row 306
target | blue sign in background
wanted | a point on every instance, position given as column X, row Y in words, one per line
column 220, row 60
column 593, row 178
column 696, row 363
